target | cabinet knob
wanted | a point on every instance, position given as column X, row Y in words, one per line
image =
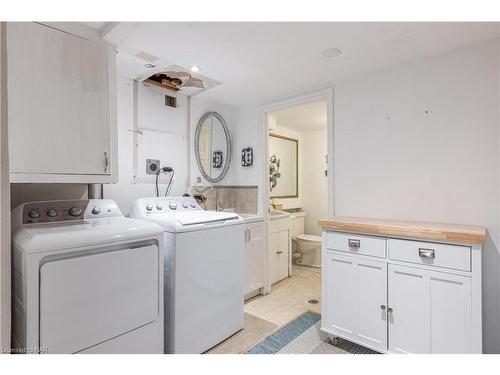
column 389, row 310
column 382, row 307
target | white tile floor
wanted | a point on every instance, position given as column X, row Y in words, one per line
column 289, row 298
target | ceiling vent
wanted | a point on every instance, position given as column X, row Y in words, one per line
column 146, row 56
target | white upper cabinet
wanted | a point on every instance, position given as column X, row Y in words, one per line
column 62, row 106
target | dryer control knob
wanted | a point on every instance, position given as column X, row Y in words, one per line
column 173, row 206
column 149, row 207
column 159, row 207
column 52, row 212
column 35, row 214
column 193, row 205
column 96, row 210
column 75, row 211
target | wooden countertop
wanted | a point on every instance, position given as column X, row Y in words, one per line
column 416, row 229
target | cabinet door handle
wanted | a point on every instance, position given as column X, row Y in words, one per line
column 106, row 161
column 389, row 310
column 426, row 253
column 354, row 243
column 382, row 307
column 279, row 252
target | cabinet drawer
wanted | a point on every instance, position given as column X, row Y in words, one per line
column 351, row 243
column 432, row 254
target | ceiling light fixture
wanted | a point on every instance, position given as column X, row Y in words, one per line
column 194, row 68
column 332, row 52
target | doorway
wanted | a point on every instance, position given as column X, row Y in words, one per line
column 298, row 191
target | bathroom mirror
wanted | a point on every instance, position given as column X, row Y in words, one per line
column 212, row 145
column 283, row 166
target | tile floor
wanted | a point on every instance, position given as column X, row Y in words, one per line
column 265, row 314
column 289, row 298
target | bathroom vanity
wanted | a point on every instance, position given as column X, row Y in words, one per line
column 402, row 287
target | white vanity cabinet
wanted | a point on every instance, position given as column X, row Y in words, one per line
column 279, row 255
column 62, row 106
column 398, row 292
column 255, row 256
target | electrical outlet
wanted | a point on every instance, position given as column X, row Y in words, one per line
column 152, row 166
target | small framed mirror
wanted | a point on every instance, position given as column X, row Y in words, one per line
column 283, row 166
column 212, row 145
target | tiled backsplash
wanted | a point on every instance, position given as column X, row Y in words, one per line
column 243, row 199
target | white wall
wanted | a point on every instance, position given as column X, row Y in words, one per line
column 314, row 180
column 169, row 143
column 395, row 160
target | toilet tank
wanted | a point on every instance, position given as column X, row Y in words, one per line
column 297, row 223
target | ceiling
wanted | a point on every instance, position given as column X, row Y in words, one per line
column 260, row 62
column 304, row 117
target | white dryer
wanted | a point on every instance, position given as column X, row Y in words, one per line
column 85, row 279
column 204, row 271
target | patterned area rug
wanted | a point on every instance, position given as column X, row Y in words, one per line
column 303, row 336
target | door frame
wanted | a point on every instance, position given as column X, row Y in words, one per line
column 325, row 94
column 5, row 278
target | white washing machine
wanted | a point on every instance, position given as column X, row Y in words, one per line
column 204, row 271
column 85, row 279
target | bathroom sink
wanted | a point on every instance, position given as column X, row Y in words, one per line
column 277, row 214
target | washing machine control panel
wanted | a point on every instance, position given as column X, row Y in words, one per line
column 69, row 210
column 162, row 205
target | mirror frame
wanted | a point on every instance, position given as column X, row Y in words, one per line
column 296, row 141
column 197, row 134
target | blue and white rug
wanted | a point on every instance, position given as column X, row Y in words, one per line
column 303, row 336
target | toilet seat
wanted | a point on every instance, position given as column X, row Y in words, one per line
column 309, row 238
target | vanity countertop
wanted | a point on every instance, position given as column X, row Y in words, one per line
column 251, row 218
column 416, row 229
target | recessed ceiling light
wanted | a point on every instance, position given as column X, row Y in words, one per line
column 194, row 68
column 332, row 52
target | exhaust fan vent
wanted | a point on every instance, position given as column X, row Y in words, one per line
column 170, row 101
column 146, row 56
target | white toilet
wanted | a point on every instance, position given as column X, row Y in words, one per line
column 306, row 247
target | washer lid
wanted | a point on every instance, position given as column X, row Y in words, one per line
column 186, row 221
column 66, row 235
column 199, row 217
column 309, row 237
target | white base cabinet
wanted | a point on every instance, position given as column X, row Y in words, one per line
column 431, row 311
column 416, row 297
column 279, row 256
column 255, row 258
column 353, row 310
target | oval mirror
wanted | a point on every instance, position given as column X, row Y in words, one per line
column 212, row 145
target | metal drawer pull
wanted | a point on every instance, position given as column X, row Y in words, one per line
column 354, row 243
column 426, row 253
column 279, row 252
